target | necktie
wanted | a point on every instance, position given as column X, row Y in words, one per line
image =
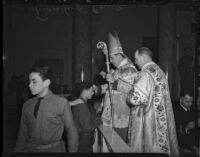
column 37, row 105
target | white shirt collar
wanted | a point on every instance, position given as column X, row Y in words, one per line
column 147, row 64
column 184, row 108
column 123, row 62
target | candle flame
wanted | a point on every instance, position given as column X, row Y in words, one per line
column 82, row 76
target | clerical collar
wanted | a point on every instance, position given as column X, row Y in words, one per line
column 123, row 62
column 184, row 108
column 147, row 64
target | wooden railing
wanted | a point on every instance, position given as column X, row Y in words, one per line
column 113, row 141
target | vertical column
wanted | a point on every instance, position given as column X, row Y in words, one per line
column 197, row 51
column 17, row 14
column 82, row 55
column 9, row 41
column 166, row 48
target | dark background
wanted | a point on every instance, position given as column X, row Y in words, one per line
column 44, row 33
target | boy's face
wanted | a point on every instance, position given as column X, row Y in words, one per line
column 36, row 84
column 89, row 92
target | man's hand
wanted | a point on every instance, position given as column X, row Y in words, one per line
column 103, row 74
column 110, row 78
column 189, row 126
column 75, row 102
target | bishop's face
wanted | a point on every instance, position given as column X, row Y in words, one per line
column 115, row 59
column 36, row 84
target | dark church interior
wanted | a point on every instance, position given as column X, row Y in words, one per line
column 63, row 35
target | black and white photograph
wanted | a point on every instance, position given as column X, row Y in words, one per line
column 97, row 77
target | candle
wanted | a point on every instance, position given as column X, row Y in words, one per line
column 82, row 74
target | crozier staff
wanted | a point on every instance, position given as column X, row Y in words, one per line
column 121, row 81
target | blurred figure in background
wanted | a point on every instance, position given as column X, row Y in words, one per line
column 184, row 114
column 192, row 129
column 186, row 69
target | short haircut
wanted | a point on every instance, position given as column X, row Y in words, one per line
column 43, row 71
column 145, row 50
column 79, row 87
column 185, row 92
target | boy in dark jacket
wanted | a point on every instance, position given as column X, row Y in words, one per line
column 85, row 119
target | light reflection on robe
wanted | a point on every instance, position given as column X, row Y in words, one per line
column 124, row 78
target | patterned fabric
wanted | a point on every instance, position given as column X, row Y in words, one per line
column 152, row 126
column 124, row 79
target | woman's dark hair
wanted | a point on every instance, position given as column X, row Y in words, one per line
column 79, row 87
column 43, row 71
